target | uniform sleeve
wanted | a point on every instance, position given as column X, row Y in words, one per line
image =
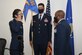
column 31, row 31
column 50, row 29
column 13, row 27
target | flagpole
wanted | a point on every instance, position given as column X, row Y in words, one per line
column 32, row 6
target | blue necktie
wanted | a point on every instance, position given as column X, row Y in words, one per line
column 40, row 16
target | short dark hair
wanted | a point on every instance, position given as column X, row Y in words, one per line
column 41, row 4
column 15, row 12
column 60, row 11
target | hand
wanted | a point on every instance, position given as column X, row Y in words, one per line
column 49, row 43
column 31, row 44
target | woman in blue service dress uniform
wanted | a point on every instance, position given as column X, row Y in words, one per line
column 16, row 28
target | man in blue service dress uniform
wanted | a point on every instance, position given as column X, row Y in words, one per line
column 40, row 31
column 61, row 35
column 16, row 28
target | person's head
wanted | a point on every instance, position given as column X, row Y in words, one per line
column 41, row 7
column 17, row 14
column 59, row 15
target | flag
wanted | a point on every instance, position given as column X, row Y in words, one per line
column 69, row 20
column 49, row 49
column 48, row 11
column 30, row 4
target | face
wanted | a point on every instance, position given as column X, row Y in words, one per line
column 40, row 9
column 20, row 15
column 56, row 18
